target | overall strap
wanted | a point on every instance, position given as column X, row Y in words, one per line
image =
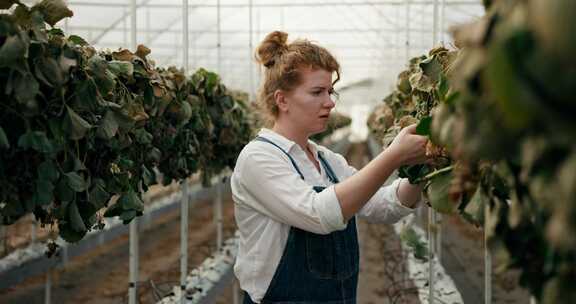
column 331, row 175
column 264, row 139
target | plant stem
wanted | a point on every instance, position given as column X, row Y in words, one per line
column 429, row 176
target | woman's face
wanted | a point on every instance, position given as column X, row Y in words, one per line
column 308, row 106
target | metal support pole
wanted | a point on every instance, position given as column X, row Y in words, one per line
column 133, row 256
column 431, row 253
column 184, row 240
column 185, row 187
column 437, row 216
column 185, row 36
column 218, row 43
column 258, row 39
column 218, row 214
column 133, row 253
column 48, row 287
column 236, row 292
column 125, row 30
column 4, row 240
column 407, row 50
column 442, row 21
column 250, row 52
column 33, row 231
column 148, row 27
column 487, row 264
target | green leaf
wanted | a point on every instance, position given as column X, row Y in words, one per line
column 143, row 137
column 76, row 125
column 56, row 32
column 121, row 68
column 413, row 240
column 53, row 10
column 36, row 140
column 68, row 233
column 26, row 88
column 75, row 181
column 127, row 216
column 63, row 191
column 109, row 125
column 50, row 71
column 76, row 221
column 438, row 194
column 131, row 201
column 414, row 172
column 4, row 143
column 423, row 127
column 44, row 191
column 148, row 176
column 98, row 195
column 77, row 40
column 48, row 171
column 13, row 49
column 443, row 87
column 451, row 99
column 114, row 210
column 87, row 94
column 514, row 96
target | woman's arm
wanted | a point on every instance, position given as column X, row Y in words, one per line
column 409, row 194
column 354, row 192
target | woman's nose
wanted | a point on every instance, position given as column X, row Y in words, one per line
column 329, row 102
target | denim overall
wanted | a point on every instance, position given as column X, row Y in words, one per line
column 315, row 268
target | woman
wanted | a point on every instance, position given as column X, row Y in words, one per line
column 296, row 201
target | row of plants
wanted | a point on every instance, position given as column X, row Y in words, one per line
column 499, row 115
column 78, row 126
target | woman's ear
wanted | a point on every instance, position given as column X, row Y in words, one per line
column 280, row 99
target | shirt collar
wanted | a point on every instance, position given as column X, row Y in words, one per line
column 278, row 139
column 285, row 143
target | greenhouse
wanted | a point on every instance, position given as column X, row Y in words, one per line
column 323, row 151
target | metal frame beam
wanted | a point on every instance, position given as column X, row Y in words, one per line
column 272, row 5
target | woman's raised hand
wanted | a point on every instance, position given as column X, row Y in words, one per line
column 408, row 147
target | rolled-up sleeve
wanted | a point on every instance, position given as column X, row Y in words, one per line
column 269, row 184
column 385, row 206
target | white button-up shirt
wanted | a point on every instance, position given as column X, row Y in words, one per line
column 270, row 197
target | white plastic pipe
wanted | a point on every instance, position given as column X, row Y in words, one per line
column 184, row 239
column 487, row 264
column 218, row 214
column 431, row 255
column 133, row 256
column 48, row 287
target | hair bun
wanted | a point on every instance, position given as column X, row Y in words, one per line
column 271, row 48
